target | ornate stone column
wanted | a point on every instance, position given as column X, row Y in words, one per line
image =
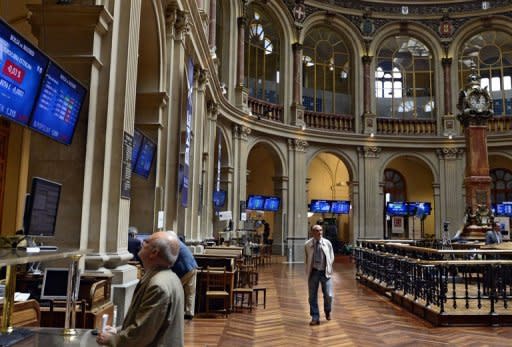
column 240, row 154
column 451, row 193
column 281, row 190
column 212, row 26
column 192, row 220
column 369, row 118
column 209, row 173
column 449, row 124
column 177, row 29
column 297, row 108
column 241, row 91
column 371, row 216
column 297, row 216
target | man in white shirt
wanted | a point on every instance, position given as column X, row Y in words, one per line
column 318, row 261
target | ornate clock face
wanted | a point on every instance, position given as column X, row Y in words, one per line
column 478, row 101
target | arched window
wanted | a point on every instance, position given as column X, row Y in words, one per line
column 490, row 52
column 501, row 185
column 262, row 57
column 394, row 185
column 404, row 79
column 327, row 80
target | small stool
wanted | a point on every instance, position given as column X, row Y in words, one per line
column 243, row 292
column 256, row 290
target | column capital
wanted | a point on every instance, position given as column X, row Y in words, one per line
column 369, row 151
column 213, row 110
column 446, row 61
column 367, row 59
column 241, row 132
column 242, row 21
column 201, row 76
column 297, row 145
column 181, row 25
column 447, row 153
column 297, row 46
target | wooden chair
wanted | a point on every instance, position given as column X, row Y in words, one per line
column 243, row 289
column 216, row 287
column 25, row 314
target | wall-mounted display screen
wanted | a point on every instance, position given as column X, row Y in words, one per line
column 58, row 105
column 137, row 143
column 255, row 202
column 41, row 214
column 504, row 210
column 320, row 206
column 272, row 203
column 22, row 67
column 419, row 208
column 340, row 206
column 219, row 198
column 145, row 158
column 397, row 209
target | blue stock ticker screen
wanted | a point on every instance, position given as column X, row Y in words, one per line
column 58, row 105
column 22, row 67
column 145, row 158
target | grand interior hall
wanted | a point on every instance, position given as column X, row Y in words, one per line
column 240, row 124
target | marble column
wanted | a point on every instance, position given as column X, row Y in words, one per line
column 297, row 217
column 177, row 26
column 451, row 193
column 297, row 108
column 369, row 118
column 209, row 173
column 192, row 212
column 212, row 27
column 239, row 186
column 449, row 124
column 371, row 214
column 281, row 190
column 241, row 91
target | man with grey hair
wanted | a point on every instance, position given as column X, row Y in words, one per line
column 155, row 316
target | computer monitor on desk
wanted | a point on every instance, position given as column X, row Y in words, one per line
column 55, row 284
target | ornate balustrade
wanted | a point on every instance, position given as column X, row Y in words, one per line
column 329, row 121
column 474, row 290
column 500, row 124
column 267, row 110
column 393, row 126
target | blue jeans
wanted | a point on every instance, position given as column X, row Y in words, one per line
column 315, row 278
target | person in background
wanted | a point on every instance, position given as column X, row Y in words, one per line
column 186, row 269
column 266, row 233
column 494, row 235
column 134, row 244
column 319, row 259
column 155, row 316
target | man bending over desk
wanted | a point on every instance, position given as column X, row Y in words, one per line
column 155, row 316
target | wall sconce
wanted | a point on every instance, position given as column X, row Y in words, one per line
column 486, row 5
column 405, row 10
column 372, row 134
column 450, row 137
column 303, row 127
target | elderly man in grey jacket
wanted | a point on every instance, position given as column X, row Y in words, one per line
column 319, row 259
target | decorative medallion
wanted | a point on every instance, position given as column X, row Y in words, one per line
column 367, row 27
column 446, row 28
column 299, row 11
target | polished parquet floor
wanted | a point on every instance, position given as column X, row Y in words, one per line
column 360, row 317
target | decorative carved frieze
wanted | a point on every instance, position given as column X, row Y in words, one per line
column 298, row 145
column 449, row 153
column 369, row 151
column 241, row 132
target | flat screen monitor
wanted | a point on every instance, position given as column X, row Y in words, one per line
column 145, row 158
column 272, row 203
column 137, row 143
column 41, row 215
column 255, row 202
column 340, row 207
column 58, row 105
column 22, row 67
column 397, row 209
column 504, row 210
column 219, row 198
column 320, row 206
column 55, row 284
column 419, row 209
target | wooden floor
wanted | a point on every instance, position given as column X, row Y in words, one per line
column 360, row 317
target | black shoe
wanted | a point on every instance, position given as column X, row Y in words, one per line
column 188, row 317
column 314, row 322
column 328, row 316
